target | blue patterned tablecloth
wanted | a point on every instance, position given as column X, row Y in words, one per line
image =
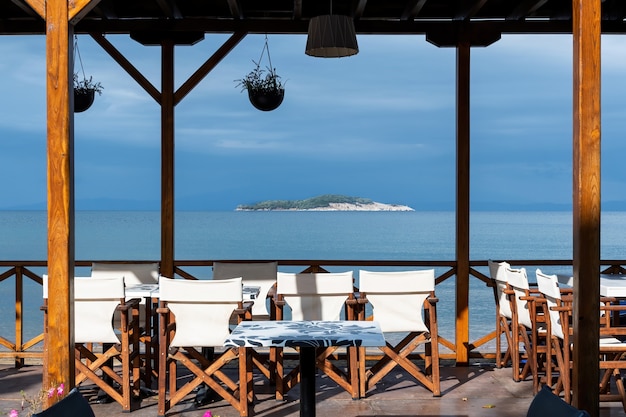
column 306, row 334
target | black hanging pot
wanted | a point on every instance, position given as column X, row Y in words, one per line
column 83, row 99
column 266, row 100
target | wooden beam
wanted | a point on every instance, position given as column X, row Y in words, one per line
column 60, row 158
column 586, row 204
column 167, row 159
column 236, row 11
column 29, row 10
column 38, row 6
column 525, row 8
column 462, row 202
column 127, row 66
column 412, row 9
column 469, row 9
column 79, row 9
column 208, row 66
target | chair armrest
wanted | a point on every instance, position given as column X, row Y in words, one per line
column 433, row 300
column 128, row 304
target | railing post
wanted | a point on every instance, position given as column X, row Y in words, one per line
column 19, row 315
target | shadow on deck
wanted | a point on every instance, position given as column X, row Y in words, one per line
column 475, row 391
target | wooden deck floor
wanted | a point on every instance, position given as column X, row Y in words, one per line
column 475, row 391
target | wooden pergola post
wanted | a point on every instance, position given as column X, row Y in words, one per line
column 167, row 158
column 462, row 201
column 60, row 133
column 586, row 204
column 60, row 15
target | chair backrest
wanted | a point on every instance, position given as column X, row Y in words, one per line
column 397, row 297
column 497, row 271
column 549, row 287
column 546, row 403
column 518, row 281
column 315, row 296
column 44, row 286
column 95, row 302
column 134, row 274
column 260, row 274
column 202, row 309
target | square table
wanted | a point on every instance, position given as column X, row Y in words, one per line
column 613, row 285
column 307, row 336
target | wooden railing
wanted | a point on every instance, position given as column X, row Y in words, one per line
column 17, row 349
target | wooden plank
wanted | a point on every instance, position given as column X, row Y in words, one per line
column 586, row 171
column 167, row 159
column 208, row 66
column 462, row 201
column 77, row 9
column 60, row 195
column 38, row 6
column 127, row 66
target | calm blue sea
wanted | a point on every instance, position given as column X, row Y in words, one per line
column 103, row 235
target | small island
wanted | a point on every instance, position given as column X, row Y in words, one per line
column 326, row 202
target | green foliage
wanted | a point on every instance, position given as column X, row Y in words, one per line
column 310, row 203
column 261, row 80
column 84, row 85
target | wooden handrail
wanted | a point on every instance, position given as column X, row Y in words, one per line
column 17, row 349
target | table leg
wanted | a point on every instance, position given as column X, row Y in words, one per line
column 307, row 381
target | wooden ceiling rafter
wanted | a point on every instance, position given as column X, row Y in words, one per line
column 105, row 11
column 469, row 9
column 412, row 9
column 26, row 8
column 170, row 8
column 235, row 8
column 359, row 9
column 525, row 8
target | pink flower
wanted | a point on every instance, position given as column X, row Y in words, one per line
column 13, row 413
column 207, row 414
column 51, row 392
column 60, row 389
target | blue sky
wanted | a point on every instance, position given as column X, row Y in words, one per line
column 380, row 124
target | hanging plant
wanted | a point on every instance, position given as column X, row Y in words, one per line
column 265, row 89
column 84, row 89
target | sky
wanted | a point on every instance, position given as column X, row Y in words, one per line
column 378, row 125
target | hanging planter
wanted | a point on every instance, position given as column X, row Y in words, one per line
column 265, row 89
column 84, row 89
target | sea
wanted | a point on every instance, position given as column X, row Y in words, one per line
column 290, row 235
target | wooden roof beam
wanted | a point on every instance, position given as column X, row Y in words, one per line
column 359, row 9
column 525, row 8
column 413, row 9
column 297, row 9
column 104, row 10
column 469, row 9
column 28, row 10
column 170, row 8
column 235, row 9
column 613, row 10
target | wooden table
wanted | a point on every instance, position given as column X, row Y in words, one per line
column 307, row 336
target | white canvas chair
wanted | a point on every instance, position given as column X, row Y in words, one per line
column 95, row 302
column 259, row 274
column 193, row 315
column 612, row 350
column 137, row 274
column 528, row 328
column 133, row 273
column 317, row 296
column 504, row 315
column 263, row 275
column 402, row 302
